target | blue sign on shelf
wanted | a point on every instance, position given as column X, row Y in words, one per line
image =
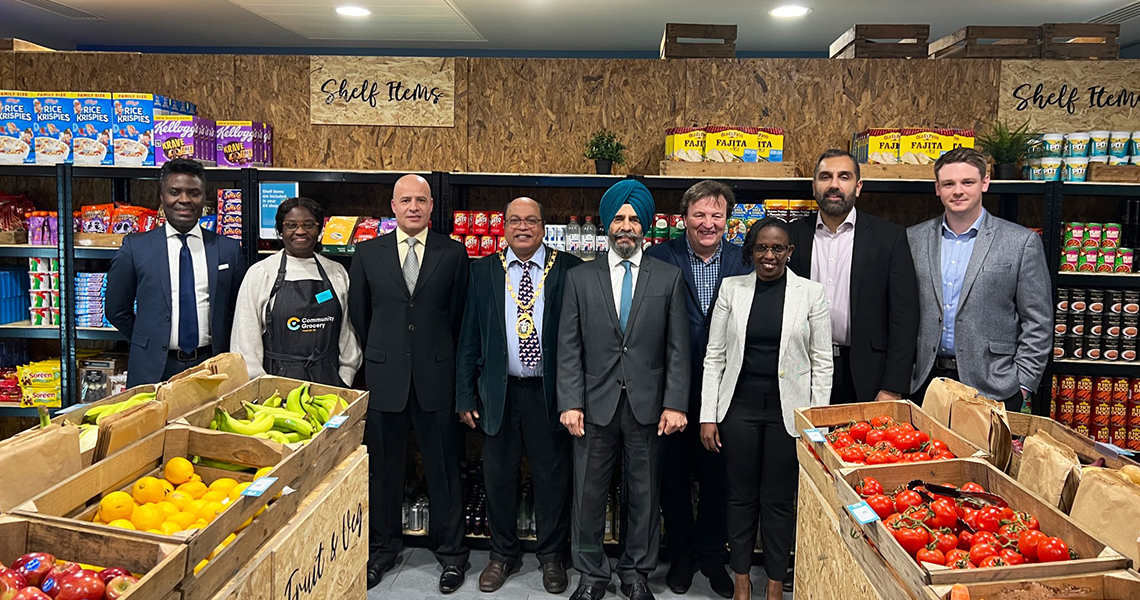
column 272, row 195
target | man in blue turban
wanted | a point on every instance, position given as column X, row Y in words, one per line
column 623, row 382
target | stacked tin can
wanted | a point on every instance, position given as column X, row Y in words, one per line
column 1106, row 409
column 1095, row 247
column 1096, row 324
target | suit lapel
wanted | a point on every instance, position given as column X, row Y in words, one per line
column 982, row 245
column 210, row 241
column 807, row 242
column 859, row 248
column 743, row 307
column 548, row 290
column 390, row 257
column 934, row 256
column 160, row 250
column 432, row 256
column 499, row 295
column 681, row 258
column 794, row 304
column 643, row 276
column 608, row 291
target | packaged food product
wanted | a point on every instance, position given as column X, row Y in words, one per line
column 338, row 231
column 921, row 146
column 91, row 134
column 1117, row 161
column 1053, row 145
column 55, row 118
column 731, row 144
column 387, row 226
column 366, row 230
column 208, row 222
column 1076, row 169
column 501, row 242
column 17, row 123
column 97, row 218
column 1110, row 235
column 770, row 142
column 495, row 223
column 459, row 222
column 879, row 146
column 1076, row 144
column 174, row 137
column 963, row 138
column 130, row 219
column 488, row 245
column 133, row 129
column 1106, row 260
column 685, row 144
column 480, row 223
column 1124, row 257
column 1072, row 259
column 235, row 143
column 471, row 242
column 1098, row 143
column 1050, row 169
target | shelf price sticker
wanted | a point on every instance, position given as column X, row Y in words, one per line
column 258, row 487
column 814, row 435
column 1112, row 449
column 336, row 421
column 863, row 513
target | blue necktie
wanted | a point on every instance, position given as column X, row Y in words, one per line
column 187, row 300
column 626, row 294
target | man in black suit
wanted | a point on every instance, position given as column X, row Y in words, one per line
column 406, row 296
column 705, row 259
column 623, row 381
column 865, row 266
column 506, row 372
column 188, row 278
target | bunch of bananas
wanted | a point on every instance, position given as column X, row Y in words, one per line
column 298, row 420
column 96, row 414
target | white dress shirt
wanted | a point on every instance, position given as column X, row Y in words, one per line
column 617, row 274
column 831, row 266
column 536, row 265
column 402, row 245
column 201, row 282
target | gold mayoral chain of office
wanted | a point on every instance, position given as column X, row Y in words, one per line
column 524, row 325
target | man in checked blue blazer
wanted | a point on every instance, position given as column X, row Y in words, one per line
column 171, row 291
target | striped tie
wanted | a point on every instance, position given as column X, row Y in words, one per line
column 411, row 266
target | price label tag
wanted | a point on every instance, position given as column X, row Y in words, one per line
column 863, row 513
column 814, row 435
column 1112, row 449
column 336, row 421
column 258, row 487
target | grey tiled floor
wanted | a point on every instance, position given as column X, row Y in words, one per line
column 416, row 577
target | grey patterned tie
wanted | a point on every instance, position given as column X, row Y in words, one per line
column 411, row 266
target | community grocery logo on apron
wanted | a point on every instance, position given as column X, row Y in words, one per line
column 293, row 323
column 308, row 325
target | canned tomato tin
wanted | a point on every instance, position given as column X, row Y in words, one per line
column 1094, row 232
column 459, row 222
column 480, row 223
column 1121, row 391
column 1111, row 236
column 495, row 223
column 471, row 242
column 487, row 245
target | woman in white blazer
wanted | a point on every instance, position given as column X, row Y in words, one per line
column 769, row 353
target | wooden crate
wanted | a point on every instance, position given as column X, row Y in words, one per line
column 160, row 565
column 766, row 170
column 1095, row 556
column 825, row 417
column 1114, row 173
column 1080, row 41
column 869, row 41
column 969, row 42
column 1116, row 585
column 1023, row 425
column 324, row 548
column 902, row 171
column 721, row 44
column 74, row 501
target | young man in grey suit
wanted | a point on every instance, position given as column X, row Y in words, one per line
column 623, row 381
column 985, row 304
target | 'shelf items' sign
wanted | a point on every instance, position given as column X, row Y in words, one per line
column 378, row 90
column 1060, row 96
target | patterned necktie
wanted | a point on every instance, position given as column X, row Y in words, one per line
column 626, row 294
column 187, row 300
column 411, row 266
column 529, row 348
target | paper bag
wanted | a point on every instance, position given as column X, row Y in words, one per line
column 1108, row 507
column 53, row 453
column 123, row 429
column 941, row 394
column 1050, row 469
column 983, row 422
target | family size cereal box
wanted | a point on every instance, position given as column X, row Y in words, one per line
column 731, row 144
column 770, row 142
column 55, row 116
column 92, row 133
column 685, row 144
column 134, row 129
column 175, row 136
column 235, row 143
column 17, row 122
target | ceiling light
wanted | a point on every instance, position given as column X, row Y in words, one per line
column 353, row 11
column 789, row 11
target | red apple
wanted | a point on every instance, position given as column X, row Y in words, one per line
column 34, row 566
column 31, row 593
column 112, row 572
column 118, row 586
column 10, row 583
column 84, row 585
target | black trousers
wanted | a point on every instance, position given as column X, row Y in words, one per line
column 701, row 539
column 763, row 474
column 1012, row 404
column 594, row 456
column 842, row 382
column 175, row 366
column 386, row 435
column 526, row 424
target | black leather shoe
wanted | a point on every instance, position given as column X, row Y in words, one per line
column 637, row 591
column 680, row 576
column 376, row 570
column 585, row 592
column 554, row 578
column 451, row 579
column 719, row 580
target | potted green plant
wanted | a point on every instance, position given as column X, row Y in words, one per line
column 1006, row 146
column 605, row 150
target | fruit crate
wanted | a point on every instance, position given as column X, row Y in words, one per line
column 1101, row 586
column 1080, row 41
column 160, row 566
column 1094, row 555
column 871, row 41
column 74, row 501
column 827, row 417
column 1088, row 450
column 1008, row 42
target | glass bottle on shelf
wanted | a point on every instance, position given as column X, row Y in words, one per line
column 574, row 237
column 589, row 239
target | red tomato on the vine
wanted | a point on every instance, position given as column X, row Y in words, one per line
column 907, row 498
column 973, row 487
column 1052, row 549
column 912, row 539
column 946, row 542
column 882, row 421
column 956, row 555
column 930, row 555
column 1027, row 542
column 992, row 561
column 874, row 437
column 989, row 519
column 859, row 431
column 868, row 487
column 1011, row 557
column 980, row 552
column 882, row 505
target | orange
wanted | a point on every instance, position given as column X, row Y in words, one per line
column 214, row 496
column 148, row 489
column 115, row 506
column 170, row 528
column 225, row 484
column 168, row 508
column 183, row 519
column 122, row 523
column 180, row 499
column 178, row 470
column 196, row 489
column 148, row 516
column 238, row 489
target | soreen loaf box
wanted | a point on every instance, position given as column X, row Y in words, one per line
column 92, row 135
column 17, row 120
column 134, row 129
column 55, row 116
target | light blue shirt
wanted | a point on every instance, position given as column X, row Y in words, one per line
column 956, row 252
column 536, row 264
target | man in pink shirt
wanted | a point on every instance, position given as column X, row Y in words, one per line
column 865, row 266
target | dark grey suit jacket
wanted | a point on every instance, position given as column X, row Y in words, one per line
column 651, row 359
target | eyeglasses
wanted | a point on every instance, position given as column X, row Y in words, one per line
column 515, row 222
column 310, row 226
column 762, row 249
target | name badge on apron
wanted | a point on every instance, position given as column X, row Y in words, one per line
column 324, row 296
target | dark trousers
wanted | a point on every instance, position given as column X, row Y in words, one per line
column 763, row 474
column 842, row 383
column 526, row 424
column 701, row 539
column 594, row 456
column 386, row 435
column 1012, row 404
column 175, row 366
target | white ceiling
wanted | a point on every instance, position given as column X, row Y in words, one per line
column 541, row 27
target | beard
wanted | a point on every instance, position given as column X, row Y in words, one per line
column 624, row 245
column 835, row 208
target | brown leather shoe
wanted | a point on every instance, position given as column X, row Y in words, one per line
column 554, row 577
column 494, row 576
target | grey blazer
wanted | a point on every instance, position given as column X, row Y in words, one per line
column 651, row 358
column 1004, row 327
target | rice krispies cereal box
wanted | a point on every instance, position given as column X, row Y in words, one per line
column 17, row 123
column 174, row 137
column 55, row 116
column 134, row 129
column 91, row 134
column 235, row 143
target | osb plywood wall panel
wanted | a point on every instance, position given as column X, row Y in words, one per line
column 7, row 70
column 1112, row 79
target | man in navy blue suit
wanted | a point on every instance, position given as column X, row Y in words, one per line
column 171, row 291
column 705, row 259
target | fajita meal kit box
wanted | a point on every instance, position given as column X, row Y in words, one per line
column 17, row 123
column 92, row 136
column 134, row 129
column 731, row 144
column 879, row 146
column 770, row 144
column 685, row 144
column 55, row 116
column 924, row 146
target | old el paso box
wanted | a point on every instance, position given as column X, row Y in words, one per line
column 17, row 118
column 55, row 115
column 236, row 143
column 91, row 141
column 134, row 129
